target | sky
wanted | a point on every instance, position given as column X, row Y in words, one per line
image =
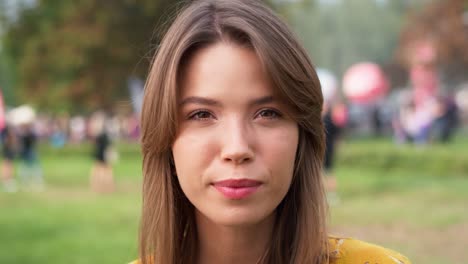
column 12, row 6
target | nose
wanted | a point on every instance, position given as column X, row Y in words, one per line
column 237, row 143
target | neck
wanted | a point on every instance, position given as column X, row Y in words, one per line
column 232, row 244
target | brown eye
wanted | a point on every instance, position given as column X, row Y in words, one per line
column 269, row 114
column 201, row 115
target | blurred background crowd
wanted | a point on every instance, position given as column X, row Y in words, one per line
column 59, row 130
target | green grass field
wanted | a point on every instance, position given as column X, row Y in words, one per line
column 403, row 197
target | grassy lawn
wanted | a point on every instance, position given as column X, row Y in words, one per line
column 68, row 223
column 407, row 198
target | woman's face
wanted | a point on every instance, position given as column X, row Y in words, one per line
column 235, row 148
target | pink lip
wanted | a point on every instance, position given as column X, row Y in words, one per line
column 237, row 189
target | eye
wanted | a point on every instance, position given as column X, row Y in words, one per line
column 200, row 115
column 269, row 114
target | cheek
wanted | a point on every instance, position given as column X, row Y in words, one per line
column 192, row 154
column 280, row 153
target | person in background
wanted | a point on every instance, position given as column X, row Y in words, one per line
column 233, row 145
column 58, row 137
column 376, row 121
column 9, row 149
column 334, row 120
column 445, row 119
column 101, row 177
column 30, row 171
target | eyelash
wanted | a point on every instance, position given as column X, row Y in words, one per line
column 276, row 113
column 193, row 115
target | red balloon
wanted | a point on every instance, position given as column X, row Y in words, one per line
column 364, row 83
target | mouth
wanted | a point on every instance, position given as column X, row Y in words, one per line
column 237, row 189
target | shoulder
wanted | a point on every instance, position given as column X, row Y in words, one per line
column 348, row 250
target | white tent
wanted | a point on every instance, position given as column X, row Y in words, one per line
column 21, row 115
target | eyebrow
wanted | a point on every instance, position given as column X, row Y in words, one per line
column 199, row 100
column 212, row 102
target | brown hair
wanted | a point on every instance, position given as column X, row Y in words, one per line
column 168, row 231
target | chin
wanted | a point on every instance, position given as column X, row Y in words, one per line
column 239, row 216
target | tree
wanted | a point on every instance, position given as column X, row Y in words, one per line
column 445, row 24
column 78, row 55
column 338, row 34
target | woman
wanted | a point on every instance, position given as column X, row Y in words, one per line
column 334, row 117
column 9, row 148
column 101, row 178
column 233, row 144
column 30, row 170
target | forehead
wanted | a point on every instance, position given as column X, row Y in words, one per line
column 224, row 67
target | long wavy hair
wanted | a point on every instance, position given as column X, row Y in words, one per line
column 168, row 230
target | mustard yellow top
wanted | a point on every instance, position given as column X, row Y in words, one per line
column 350, row 251
column 353, row 251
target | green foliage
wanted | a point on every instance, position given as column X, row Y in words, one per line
column 346, row 32
column 78, row 55
column 437, row 160
column 6, row 80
